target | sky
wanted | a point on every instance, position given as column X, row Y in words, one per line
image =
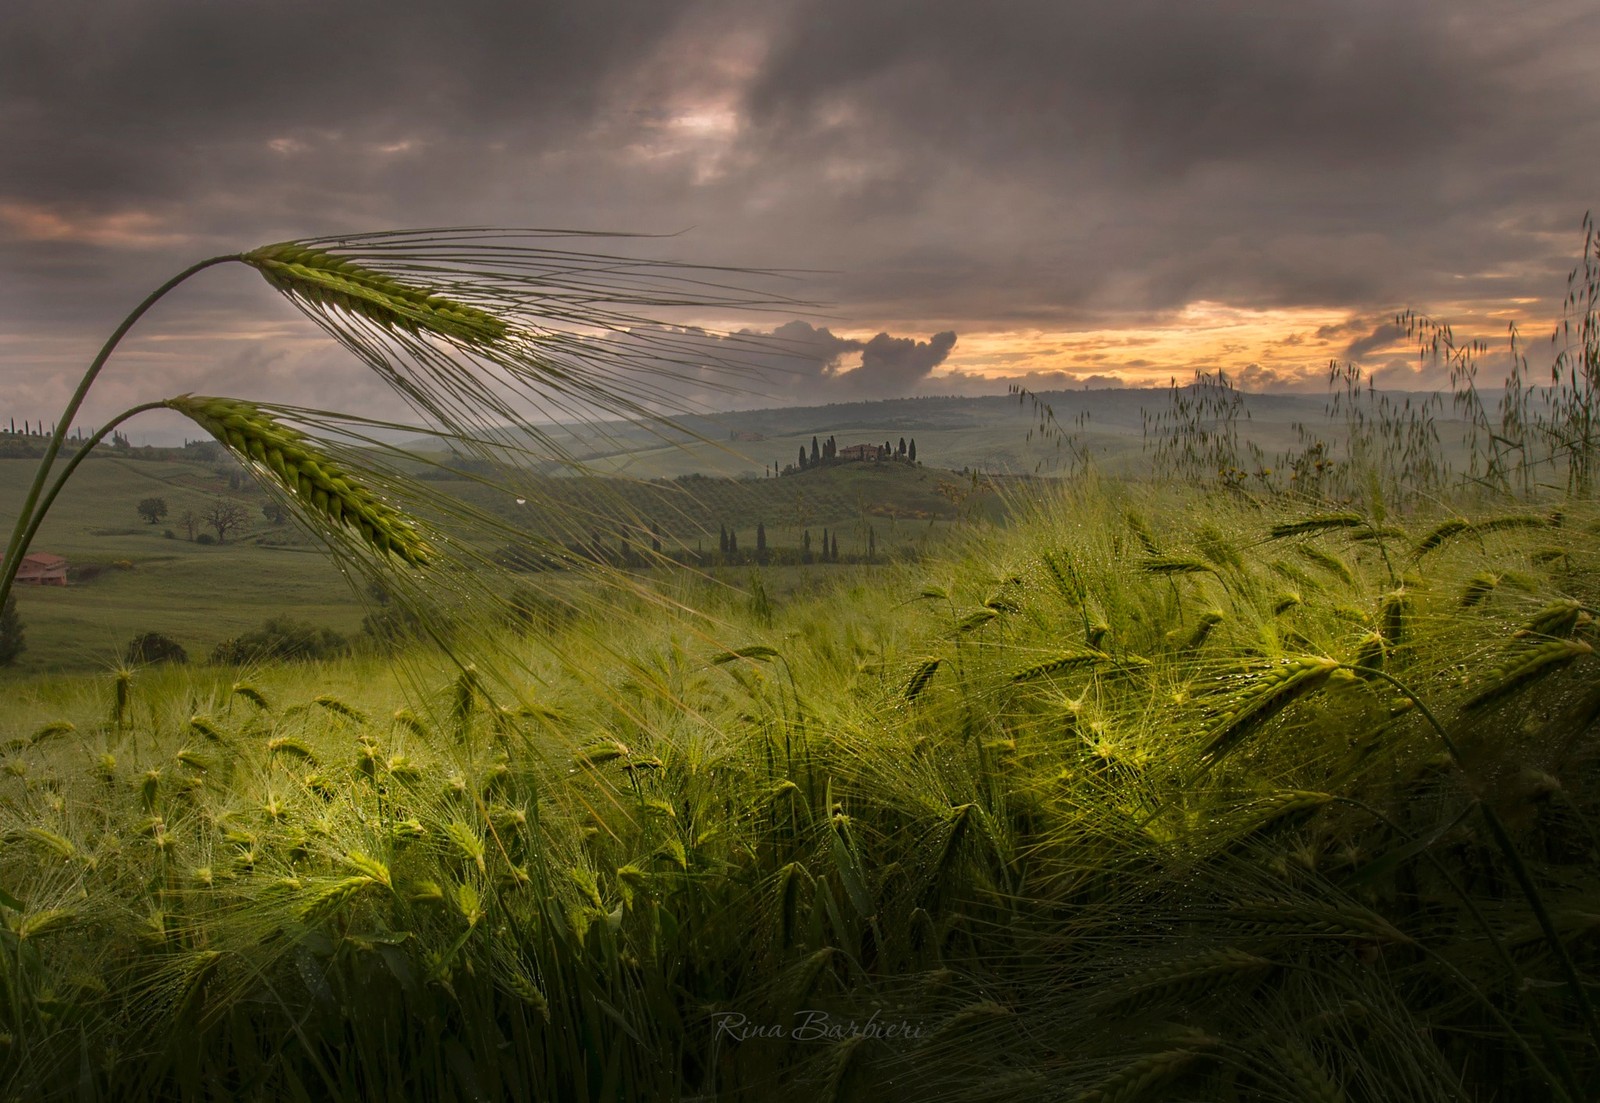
column 1051, row 193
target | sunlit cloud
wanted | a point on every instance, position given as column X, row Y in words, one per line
column 118, row 229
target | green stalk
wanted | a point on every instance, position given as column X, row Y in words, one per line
column 83, row 452
column 1568, row 1080
column 1519, row 869
column 31, row 514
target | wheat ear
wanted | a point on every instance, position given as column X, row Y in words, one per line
column 324, row 280
column 322, row 487
column 1263, row 696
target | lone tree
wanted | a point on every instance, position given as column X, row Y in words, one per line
column 225, row 517
column 275, row 513
column 761, row 542
column 153, row 509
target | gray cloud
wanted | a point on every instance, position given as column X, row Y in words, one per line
column 936, row 166
column 1381, row 337
column 798, row 361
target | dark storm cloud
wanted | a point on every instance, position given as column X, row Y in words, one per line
column 1148, row 154
column 1382, row 337
column 120, row 102
column 1039, row 165
column 1156, row 86
column 798, row 362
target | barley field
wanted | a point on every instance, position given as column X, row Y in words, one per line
column 1110, row 803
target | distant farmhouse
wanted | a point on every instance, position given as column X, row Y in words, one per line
column 861, row 452
column 828, row 452
column 43, row 569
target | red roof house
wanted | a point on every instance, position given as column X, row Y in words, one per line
column 43, row 569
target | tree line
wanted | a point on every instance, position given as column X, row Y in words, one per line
column 621, row 550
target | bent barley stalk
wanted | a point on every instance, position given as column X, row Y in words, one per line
column 1523, row 665
column 321, row 279
column 1263, row 696
column 321, row 487
column 471, row 327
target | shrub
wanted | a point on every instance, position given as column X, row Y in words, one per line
column 391, row 625
column 529, row 610
column 281, row 638
column 204, row 538
column 153, row 647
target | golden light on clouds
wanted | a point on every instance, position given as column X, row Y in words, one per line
column 1279, row 349
column 125, row 229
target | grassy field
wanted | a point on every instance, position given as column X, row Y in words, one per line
column 1116, row 802
column 197, row 594
column 994, row 435
column 139, row 579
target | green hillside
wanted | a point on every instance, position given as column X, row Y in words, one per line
column 130, row 576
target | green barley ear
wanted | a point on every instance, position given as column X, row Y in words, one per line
column 1308, row 1079
column 1393, row 613
column 1171, row 565
column 321, row 279
column 1524, row 664
column 1559, row 618
column 1440, row 533
column 1185, row 978
column 920, row 679
column 1328, row 562
column 1316, row 524
column 1058, row 663
column 1202, row 631
column 1142, row 1077
column 1262, row 696
column 315, row 480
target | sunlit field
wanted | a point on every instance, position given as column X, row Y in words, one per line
column 1106, row 801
